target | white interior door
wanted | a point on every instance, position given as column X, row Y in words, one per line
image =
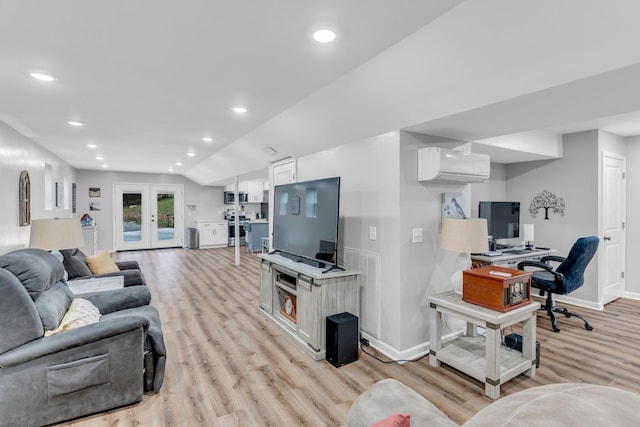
column 147, row 216
column 612, row 245
column 283, row 172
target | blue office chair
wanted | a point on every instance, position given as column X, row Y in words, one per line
column 566, row 278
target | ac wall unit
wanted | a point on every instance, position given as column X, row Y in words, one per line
column 442, row 165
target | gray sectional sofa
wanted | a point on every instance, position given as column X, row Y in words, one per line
column 79, row 371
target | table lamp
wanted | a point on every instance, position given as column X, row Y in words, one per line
column 465, row 236
column 56, row 234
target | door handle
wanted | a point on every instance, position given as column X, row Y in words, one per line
column 606, row 238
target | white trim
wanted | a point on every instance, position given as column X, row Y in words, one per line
column 632, row 295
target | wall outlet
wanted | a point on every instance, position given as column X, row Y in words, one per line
column 373, row 233
column 418, row 235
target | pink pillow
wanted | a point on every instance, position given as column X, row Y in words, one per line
column 397, row 420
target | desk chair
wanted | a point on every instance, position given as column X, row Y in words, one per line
column 566, row 278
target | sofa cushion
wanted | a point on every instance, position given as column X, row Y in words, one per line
column 37, row 269
column 101, row 263
column 389, row 397
column 73, row 260
column 566, row 405
column 53, row 304
column 80, row 313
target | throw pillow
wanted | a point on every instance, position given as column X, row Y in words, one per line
column 80, row 313
column 74, row 263
column 396, row 420
column 101, row 263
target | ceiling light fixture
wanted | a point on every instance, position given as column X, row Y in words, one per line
column 207, row 139
column 99, row 158
column 239, row 110
column 43, row 77
column 170, row 169
column 324, row 36
column 92, row 145
column 178, row 163
column 76, row 124
column 105, row 166
column 191, row 154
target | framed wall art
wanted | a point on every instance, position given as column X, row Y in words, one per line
column 59, row 194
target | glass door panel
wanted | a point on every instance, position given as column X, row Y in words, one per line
column 132, row 217
column 165, row 214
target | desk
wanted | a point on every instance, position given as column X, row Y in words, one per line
column 510, row 259
column 480, row 357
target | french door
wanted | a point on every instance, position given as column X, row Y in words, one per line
column 147, row 216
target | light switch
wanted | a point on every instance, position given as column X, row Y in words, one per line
column 372, row 233
column 418, row 235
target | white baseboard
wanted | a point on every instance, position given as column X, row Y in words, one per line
column 632, row 295
column 573, row 301
column 395, row 354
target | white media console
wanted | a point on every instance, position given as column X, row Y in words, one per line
column 298, row 298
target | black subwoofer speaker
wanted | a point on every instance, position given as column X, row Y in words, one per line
column 342, row 339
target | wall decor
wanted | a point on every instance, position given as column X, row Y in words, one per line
column 59, row 194
column 547, row 200
column 24, row 202
column 74, row 197
column 95, row 206
column 453, row 205
column 94, row 191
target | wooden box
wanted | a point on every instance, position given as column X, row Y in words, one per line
column 498, row 288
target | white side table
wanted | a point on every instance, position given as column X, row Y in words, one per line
column 482, row 357
column 86, row 287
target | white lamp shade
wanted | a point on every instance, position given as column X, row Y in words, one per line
column 528, row 232
column 56, row 234
column 464, row 235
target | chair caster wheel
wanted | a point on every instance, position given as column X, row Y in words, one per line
column 588, row 327
column 556, row 329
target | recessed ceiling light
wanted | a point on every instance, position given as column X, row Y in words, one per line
column 43, row 77
column 92, row 145
column 105, row 166
column 239, row 109
column 77, row 124
column 99, row 158
column 324, row 36
column 178, row 163
column 170, row 169
column 207, row 139
column 190, row 154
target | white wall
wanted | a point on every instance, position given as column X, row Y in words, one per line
column 574, row 178
column 208, row 200
column 18, row 153
column 632, row 275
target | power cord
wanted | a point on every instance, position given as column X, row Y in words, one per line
column 365, row 343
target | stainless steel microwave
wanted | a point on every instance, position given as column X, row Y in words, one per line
column 230, row 197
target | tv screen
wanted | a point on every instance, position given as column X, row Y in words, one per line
column 503, row 218
column 305, row 219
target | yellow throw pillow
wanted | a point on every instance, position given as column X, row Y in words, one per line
column 101, row 263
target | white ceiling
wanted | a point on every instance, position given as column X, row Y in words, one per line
column 149, row 78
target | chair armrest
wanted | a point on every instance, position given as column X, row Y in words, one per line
column 121, row 299
column 128, row 265
column 72, row 338
column 553, row 258
column 558, row 277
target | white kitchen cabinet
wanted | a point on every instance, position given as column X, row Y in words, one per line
column 256, row 191
column 213, row 233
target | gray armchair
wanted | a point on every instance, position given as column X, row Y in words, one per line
column 76, row 372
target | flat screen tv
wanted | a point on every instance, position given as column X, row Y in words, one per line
column 305, row 221
column 503, row 218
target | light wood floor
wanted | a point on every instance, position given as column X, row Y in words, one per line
column 228, row 366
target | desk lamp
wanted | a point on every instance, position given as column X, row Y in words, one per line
column 528, row 235
column 56, row 234
column 465, row 236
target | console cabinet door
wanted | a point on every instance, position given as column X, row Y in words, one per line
column 308, row 310
column 266, row 286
